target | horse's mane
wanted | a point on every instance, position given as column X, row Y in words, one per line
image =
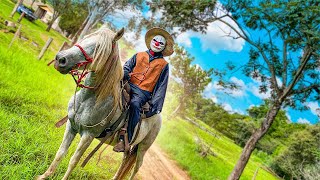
column 107, row 66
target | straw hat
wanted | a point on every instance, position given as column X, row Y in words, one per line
column 168, row 50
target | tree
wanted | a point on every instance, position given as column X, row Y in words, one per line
column 99, row 9
column 301, row 154
column 74, row 16
column 288, row 49
column 32, row 3
column 15, row 8
column 59, row 8
column 193, row 78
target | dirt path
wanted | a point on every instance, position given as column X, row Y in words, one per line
column 158, row 166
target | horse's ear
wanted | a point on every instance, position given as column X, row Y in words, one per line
column 118, row 35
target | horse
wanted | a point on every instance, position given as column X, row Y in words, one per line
column 97, row 105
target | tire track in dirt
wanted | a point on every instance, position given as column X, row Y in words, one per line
column 158, row 166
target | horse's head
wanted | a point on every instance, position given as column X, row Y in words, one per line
column 96, row 47
column 97, row 52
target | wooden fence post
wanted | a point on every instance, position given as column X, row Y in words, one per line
column 15, row 36
column 63, row 46
column 45, row 47
column 15, row 8
column 21, row 16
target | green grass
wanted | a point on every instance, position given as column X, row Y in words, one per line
column 34, row 31
column 33, row 97
column 178, row 138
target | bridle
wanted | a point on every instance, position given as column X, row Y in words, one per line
column 79, row 76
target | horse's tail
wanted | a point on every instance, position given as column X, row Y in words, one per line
column 130, row 162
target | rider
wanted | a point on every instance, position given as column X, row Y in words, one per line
column 147, row 73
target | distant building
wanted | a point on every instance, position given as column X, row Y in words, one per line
column 45, row 13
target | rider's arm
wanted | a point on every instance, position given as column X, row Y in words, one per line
column 159, row 92
column 128, row 67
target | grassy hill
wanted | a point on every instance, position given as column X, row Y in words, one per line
column 180, row 139
column 33, row 97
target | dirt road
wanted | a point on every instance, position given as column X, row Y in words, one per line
column 158, row 166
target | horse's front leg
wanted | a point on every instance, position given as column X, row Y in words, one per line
column 69, row 135
column 84, row 143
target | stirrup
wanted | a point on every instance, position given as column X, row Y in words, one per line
column 120, row 146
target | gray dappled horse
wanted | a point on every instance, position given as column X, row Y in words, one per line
column 90, row 111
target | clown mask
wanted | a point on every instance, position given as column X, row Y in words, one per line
column 158, row 43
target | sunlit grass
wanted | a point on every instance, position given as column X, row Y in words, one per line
column 178, row 138
column 33, row 97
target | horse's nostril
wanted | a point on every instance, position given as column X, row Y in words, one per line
column 62, row 61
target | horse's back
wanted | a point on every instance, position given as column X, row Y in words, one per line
column 147, row 127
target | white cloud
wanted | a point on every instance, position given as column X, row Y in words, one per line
column 208, row 93
column 227, row 107
column 279, row 82
column 254, row 88
column 215, row 39
column 240, row 92
column 121, row 17
column 314, row 107
column 303, row 121
column 288, row 116
column 209, row 87
column 214, row 98
column 230, row 110
column 238, row 82
column 157, row 15
column 251, row 106
column 184, row 39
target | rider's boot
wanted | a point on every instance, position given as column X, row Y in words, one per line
column 120, row 146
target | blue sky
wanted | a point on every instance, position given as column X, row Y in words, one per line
column 213, row 49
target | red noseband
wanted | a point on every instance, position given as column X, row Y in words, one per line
column 77, row 76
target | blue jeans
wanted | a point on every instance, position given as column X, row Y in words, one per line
column 138, row 98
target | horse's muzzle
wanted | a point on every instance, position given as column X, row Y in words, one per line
column 61, row 64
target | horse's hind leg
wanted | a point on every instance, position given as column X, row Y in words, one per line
column 127, row 161
column 84, row 143
column 144, row 145
column 67, row 139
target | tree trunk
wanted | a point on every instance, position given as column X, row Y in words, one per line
column 76, row 35
column 255, row 137
column 54, row 18
column 21, row 16
column 174, row 112
column 15, row 8
column 91, row 21
column 32, row 3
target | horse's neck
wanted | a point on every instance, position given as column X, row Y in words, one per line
column 89, row 81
